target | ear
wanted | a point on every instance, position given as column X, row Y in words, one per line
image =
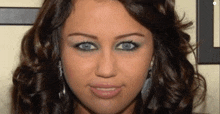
column 152, row 62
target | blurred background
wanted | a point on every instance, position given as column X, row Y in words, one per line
column 11, row 36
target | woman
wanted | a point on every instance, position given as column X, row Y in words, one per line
column 95, row 56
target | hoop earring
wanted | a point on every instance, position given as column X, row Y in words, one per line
column 63, row 92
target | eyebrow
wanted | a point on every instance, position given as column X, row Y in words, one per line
column 95, row 37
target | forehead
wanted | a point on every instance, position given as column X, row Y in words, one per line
column 99, row 16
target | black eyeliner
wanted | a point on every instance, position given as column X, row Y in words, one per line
column 136, row 45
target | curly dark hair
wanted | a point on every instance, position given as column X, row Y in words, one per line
column 175, row 82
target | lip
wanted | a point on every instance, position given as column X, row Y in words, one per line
column 103, row 93
column 105, row 85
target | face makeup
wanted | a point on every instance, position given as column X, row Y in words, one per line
column 105, row 55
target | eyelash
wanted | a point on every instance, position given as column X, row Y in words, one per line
column 135, row 45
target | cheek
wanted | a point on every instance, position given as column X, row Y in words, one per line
column 77, row 70
column 137, row 65
column 135, row 70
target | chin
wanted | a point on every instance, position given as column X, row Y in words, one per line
column 110, row 108
column 107, row 111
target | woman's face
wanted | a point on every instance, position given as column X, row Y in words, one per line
column 105, row 56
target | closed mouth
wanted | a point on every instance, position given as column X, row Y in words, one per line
column 105, row 93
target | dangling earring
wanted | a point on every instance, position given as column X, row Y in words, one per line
column 147, row 84
column 146, row 88
column 63, row 92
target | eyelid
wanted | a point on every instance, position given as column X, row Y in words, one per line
column 129, row 41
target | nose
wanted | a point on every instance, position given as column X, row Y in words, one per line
column 106, row 65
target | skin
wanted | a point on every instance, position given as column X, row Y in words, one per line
column 106, row 62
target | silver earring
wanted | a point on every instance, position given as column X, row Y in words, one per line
column 146, row 88
column 147, row 84
column 63, row 92
column 60, row 69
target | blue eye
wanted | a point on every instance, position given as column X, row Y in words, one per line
column 85, row 46
column 127, row 45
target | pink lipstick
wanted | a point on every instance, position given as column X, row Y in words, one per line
column 105, row 91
